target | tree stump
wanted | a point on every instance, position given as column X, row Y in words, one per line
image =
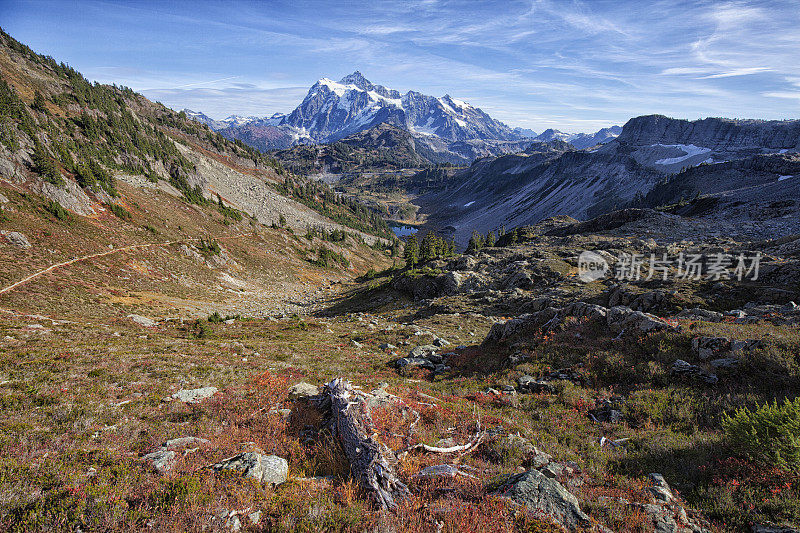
column 370, row 462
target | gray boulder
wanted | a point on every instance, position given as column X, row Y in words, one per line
column 265, row 468
column 195, row 395
column 537, row 492
column 143, row 321
column 425, row 351
column 701, row 314
column 303, row 390
column 440, row 342
column 665, row 511
column 161, row 460
column 659, row 488
column 746, row 345
column 681, row 367
column 454, row 282
column 185, row 442
column 16, row 238
column 707, row 347
column 412, row 361
column 531, row 384
column 624, row 319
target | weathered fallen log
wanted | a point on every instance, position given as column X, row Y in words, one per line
column 370, row 462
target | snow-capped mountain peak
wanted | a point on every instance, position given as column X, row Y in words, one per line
column 334, row 109
column 447, row 127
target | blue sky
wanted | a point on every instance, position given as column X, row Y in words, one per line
column 575, row 66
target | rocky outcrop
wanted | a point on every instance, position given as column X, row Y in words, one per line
column 619, row 319
column 69, row 195
column 164, row 458
column 666, row 512
column 194, row 395
column 143, row 321
column 424, row 356
column 683, row 368
column 303, row 390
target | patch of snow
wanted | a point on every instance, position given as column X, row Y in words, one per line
column 460, row 103
column 469, row 203
column 781, row 178
column 689, row 150
column 336, row 87
column 347, row 92
column 783, row 151
column 396, row 102
column 426, row 129
column 447, row 107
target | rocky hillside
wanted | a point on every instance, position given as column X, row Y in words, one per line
column 549, row 178
column 716, row 133
column 494, row 389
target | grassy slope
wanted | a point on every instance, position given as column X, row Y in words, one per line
column 271, row 263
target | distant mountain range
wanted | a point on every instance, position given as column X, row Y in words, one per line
column 232, row 120
column 580, row 140
column 447, row 129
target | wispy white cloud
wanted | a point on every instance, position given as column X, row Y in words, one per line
column 744, row 71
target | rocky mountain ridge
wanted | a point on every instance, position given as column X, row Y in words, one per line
column 755, row 158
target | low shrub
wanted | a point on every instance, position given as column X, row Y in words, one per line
column 119, row 211
column 770, row 434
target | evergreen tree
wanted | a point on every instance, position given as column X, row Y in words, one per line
column 490, row 239
column 475, row 243
column 411, row 252
column 513, row 236
column 39, row 103
column 44, row 165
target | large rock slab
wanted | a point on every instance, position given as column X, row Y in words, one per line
column 624, row 319
column 143, row 321
column 163, row 461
